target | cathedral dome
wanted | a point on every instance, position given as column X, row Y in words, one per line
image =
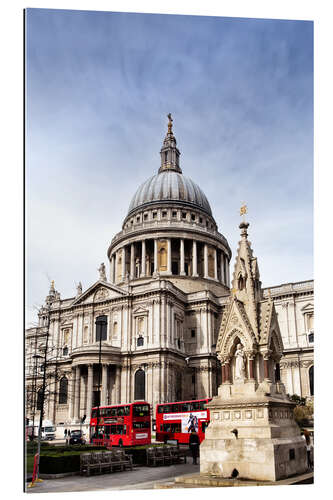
column 170, row 186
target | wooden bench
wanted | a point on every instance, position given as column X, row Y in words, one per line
column 106, row 461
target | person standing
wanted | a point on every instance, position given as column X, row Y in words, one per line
column 194, row 445
column 65, row 433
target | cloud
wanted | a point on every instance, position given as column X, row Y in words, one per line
column 99, row 86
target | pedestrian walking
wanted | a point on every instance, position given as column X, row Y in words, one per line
column 194, row 445
column 65, row 433
column 69, row 433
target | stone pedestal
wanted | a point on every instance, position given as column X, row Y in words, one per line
column 252, row 431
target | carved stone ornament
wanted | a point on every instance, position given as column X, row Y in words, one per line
column 101, row 294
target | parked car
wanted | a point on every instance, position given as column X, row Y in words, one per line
column 77, row 437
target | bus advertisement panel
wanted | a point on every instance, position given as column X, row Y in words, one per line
column 121, row 425
column 176, row 420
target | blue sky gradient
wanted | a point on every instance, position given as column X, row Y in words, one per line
column 98, row 88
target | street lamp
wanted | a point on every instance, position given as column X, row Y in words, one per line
column 101, row 323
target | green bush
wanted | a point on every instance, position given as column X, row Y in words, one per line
column 58, row 464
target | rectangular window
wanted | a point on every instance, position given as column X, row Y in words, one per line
column 174, row 214
column 154, row 215
column 145, row 216
column 192, row 216
column 101, row 328
column 164, row 214
column 192, row 333
column 140, row 410
column 184, row 215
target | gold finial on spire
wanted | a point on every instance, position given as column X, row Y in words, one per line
column 52, row 284
column 243, row 211
column 233, row 291
column 170, row 124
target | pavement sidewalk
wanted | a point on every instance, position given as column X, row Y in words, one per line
column 138, row 478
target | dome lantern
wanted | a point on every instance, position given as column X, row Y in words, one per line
column 169, row 152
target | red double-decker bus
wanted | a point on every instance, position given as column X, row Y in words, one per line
column 176, row 420
column 121, row 425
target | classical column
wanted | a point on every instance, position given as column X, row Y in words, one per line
column 143, row 258
column 123, row 263
column 250, row 358
column 194, row 259
column 118, row 384
column 215, row 263
column 71, row 394
column 132, row 266
column 155, row 255
column 169, row 256
column 222, row 268
column 227, row 272
column 205, row 260
column 182, row 258
column 112, row 269
column 104, row 384
column 223, row 374
column 90, row 389
column 77, row 393
column 227, row 371
column 266, row 365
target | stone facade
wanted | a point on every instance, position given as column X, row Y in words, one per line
column 161, row 305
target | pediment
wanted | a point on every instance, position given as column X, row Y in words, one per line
column 99, row 292
column 307, row 308
column 140, row 310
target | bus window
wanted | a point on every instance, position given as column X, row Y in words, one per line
column 94, row 414
column 113, row 429
column 175, row 408
column 120, row 411
column 186, row 407
column 166, row 409
column 196, row 405
column 107, row 430
column 141, row 425
column 113, row 412
column 140, row 410
column 126, row 410
column 175, row 427
column 160, row 409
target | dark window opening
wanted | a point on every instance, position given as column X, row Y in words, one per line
column 65, row 351
column 174, row 267
column 140, row 341
column 139, row 384
column 311, row 337
column 164, row 214
column 96, row 398
column 192, row 216
column 101, row 328
column 145, row 216
column 184, row 215
column 192, row 333
column 178, row 343
column 174, row 214
column 138, row 219
column 63, row 390
column 154, row 215
column 186, row 268
column 200, row 220
column 193, row 379
column 292, row 454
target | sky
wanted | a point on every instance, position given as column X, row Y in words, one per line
column 98, row 88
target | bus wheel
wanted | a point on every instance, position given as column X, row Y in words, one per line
column 120, row 444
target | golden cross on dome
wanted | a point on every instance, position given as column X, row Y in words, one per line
column 52, row 284
column 170, row 124
column 243, row 210
column 233, row 291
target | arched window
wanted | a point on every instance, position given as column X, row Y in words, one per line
column 140, row 341
column 139, row 384
column 39, row 399
column 63, row 390
column 101, row 328
column 311, row 381
column 115, row 329
column 311, row 338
